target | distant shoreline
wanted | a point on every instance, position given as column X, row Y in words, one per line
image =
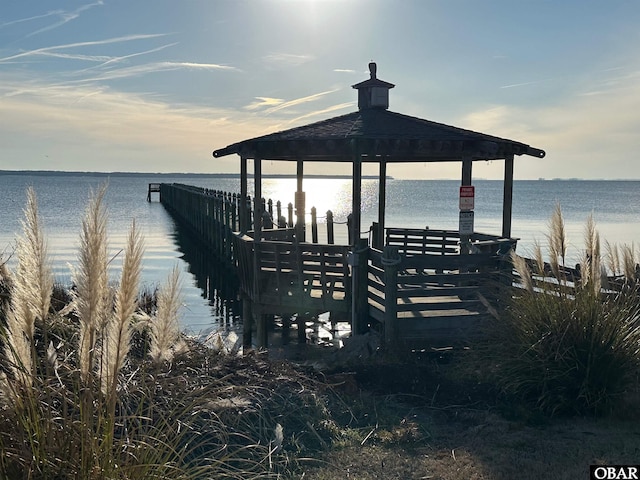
column 285, row 175
column 164, row 174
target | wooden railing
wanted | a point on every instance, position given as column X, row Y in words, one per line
column 214, row 215
column 423, row 291
column 279, row 275
column 569, row 279
column 414, row 241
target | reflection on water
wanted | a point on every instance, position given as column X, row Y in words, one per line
column 217, row 281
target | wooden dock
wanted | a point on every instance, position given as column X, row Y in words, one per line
column 153, row 188
column 420, row 290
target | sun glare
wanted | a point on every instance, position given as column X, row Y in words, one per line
column 322, row 193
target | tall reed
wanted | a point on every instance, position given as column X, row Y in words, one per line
column 31, row 288
column 80, row 406
column 117, row 341
column 165, row 331
column 91, row 294
column 567, row 344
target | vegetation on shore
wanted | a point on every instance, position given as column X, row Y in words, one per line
column 569, row 342
column 93, row 387
column 96, row 382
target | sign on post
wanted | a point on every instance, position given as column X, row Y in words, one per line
column 467, row 197
column 466, row 223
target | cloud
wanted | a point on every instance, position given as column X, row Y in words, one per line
column 263, row 102
column 286, row 59
column 114, row 130
column 76, row 56
column 299, row 101
column 65, row 17
column 29, row 19
column 111, row 60
column 524, row 84
column 585, row 135
column 344, row 70
column 149, row 68
column 324, row 111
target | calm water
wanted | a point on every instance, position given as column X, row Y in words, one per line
column 209, row 299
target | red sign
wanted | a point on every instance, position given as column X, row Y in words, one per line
column 467, row 197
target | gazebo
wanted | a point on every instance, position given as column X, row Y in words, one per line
column 374, row 134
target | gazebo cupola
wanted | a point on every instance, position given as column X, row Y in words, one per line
column 373, row 93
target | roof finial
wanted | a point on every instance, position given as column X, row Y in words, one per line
column 372, row 69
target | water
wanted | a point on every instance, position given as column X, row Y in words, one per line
column 210, row 298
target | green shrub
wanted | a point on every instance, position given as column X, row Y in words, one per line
column 567, row 345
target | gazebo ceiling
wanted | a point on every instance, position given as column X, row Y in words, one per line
column 377, row 134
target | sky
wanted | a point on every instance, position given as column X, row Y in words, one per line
column 157, row 85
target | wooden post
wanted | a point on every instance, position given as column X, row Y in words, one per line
column 360, row 305
column 228, row 216
column 467, row 165
column 257, row 199
column 279, row 213
column 290, row 214
column 330, row 227
column 390, row 261
column 375, row 234
column 301, row 322
column 234, row 212
column 382, row 201
column 300, row 203
column 247, row 322
column 507, row 197
column 244, row 212
column 262, row 330
column 356, row 197
column 314, row 225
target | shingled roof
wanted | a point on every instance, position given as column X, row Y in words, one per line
column 375, row 133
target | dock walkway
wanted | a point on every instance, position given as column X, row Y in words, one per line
column 420, row 289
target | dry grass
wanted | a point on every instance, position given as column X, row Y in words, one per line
column 442, row 424
column 488, row 447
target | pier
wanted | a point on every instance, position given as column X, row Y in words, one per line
column 153, row 188
column 418, row 288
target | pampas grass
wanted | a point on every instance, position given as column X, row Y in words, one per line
column 31, row 288
column 91, row 281
column 118, row 328
column 629, row 268
column 568, row 346
column 165, row 332
column 81, row 406
column 557, row 241
column 592, row 264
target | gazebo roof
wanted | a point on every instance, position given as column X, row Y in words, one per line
column 378, row 133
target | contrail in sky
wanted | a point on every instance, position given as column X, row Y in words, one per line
column 125, row 38
column 298, row 101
